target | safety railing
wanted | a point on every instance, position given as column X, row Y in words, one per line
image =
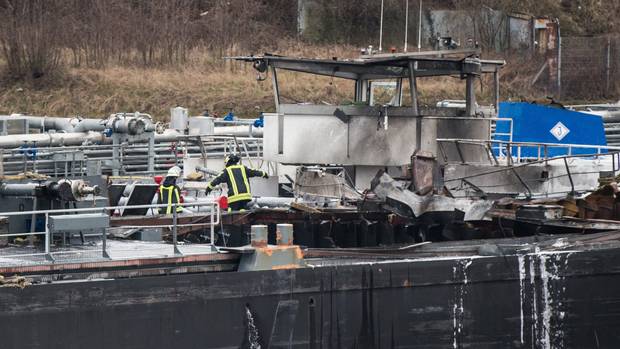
column 214, row 215
column 509, row 153
column 131, row 158
column 607, row 157
column 502, row 136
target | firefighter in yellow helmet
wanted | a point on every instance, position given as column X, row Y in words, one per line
column 169, row 192
column 236, row 177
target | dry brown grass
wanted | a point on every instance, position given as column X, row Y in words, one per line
column 98, row 92
column 206, row 83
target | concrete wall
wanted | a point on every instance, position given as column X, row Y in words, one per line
column 491, row 28
column 519, row 33
column 441, row 23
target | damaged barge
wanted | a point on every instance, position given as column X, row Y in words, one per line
column 553, row 292
column 383, row 224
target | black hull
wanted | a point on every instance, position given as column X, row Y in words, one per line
column 491, row 302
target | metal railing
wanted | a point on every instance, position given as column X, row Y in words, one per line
column 128, row 157
column 495, row 134
column 509, row 153
column 214, row 215
column 509, row 164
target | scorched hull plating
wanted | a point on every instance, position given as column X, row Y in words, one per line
column 541, row 300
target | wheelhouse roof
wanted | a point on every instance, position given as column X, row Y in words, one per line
column 377, row 67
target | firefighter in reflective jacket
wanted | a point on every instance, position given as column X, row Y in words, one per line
column 169, row 192
column 236, row 178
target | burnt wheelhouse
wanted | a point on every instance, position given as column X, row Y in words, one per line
column 367, row 135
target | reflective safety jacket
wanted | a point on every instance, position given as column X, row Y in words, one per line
column 236, row 178
column 169, row 194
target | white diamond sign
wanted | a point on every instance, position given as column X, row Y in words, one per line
column 559, row 131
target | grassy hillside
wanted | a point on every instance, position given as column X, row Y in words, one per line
column 204, row 83
column 98, row 92
column 219, row 86
column 95, row 57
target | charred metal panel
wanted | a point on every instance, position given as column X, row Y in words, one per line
column 358, row 142
column 115, row 192
column 142, row 194
column 311, row 134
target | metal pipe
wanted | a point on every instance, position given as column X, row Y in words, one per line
column 381, row 29
column 19, row 189
column 132, row 126
column 79, row 138
column 174, row 230
column 234, row 122
column 85, row 125
column 406, row 23
column 420, row 28
column 129, row 149
column 266, row 201
column 168, row 135
column 244, row 130
column 470, row 94
column 207, row 171
column 613, row 137
column 612, row 131
column 610, row 117
column 47, row 123
column 52, row 139
column 122, row 123
column 33, row 220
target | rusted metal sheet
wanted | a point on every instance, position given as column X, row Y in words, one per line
column 423, row 167
column 259, row 236
column 272, row 258
column 284, row 234
column 601, row 204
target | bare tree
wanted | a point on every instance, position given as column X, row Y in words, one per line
column 29, row 36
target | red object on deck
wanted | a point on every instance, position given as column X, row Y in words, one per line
column 223, row 201
column 158, row 179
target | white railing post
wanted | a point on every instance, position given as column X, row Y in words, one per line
column 104, row 240
column 48, row 255
column 174, row 230
column 213, row 208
